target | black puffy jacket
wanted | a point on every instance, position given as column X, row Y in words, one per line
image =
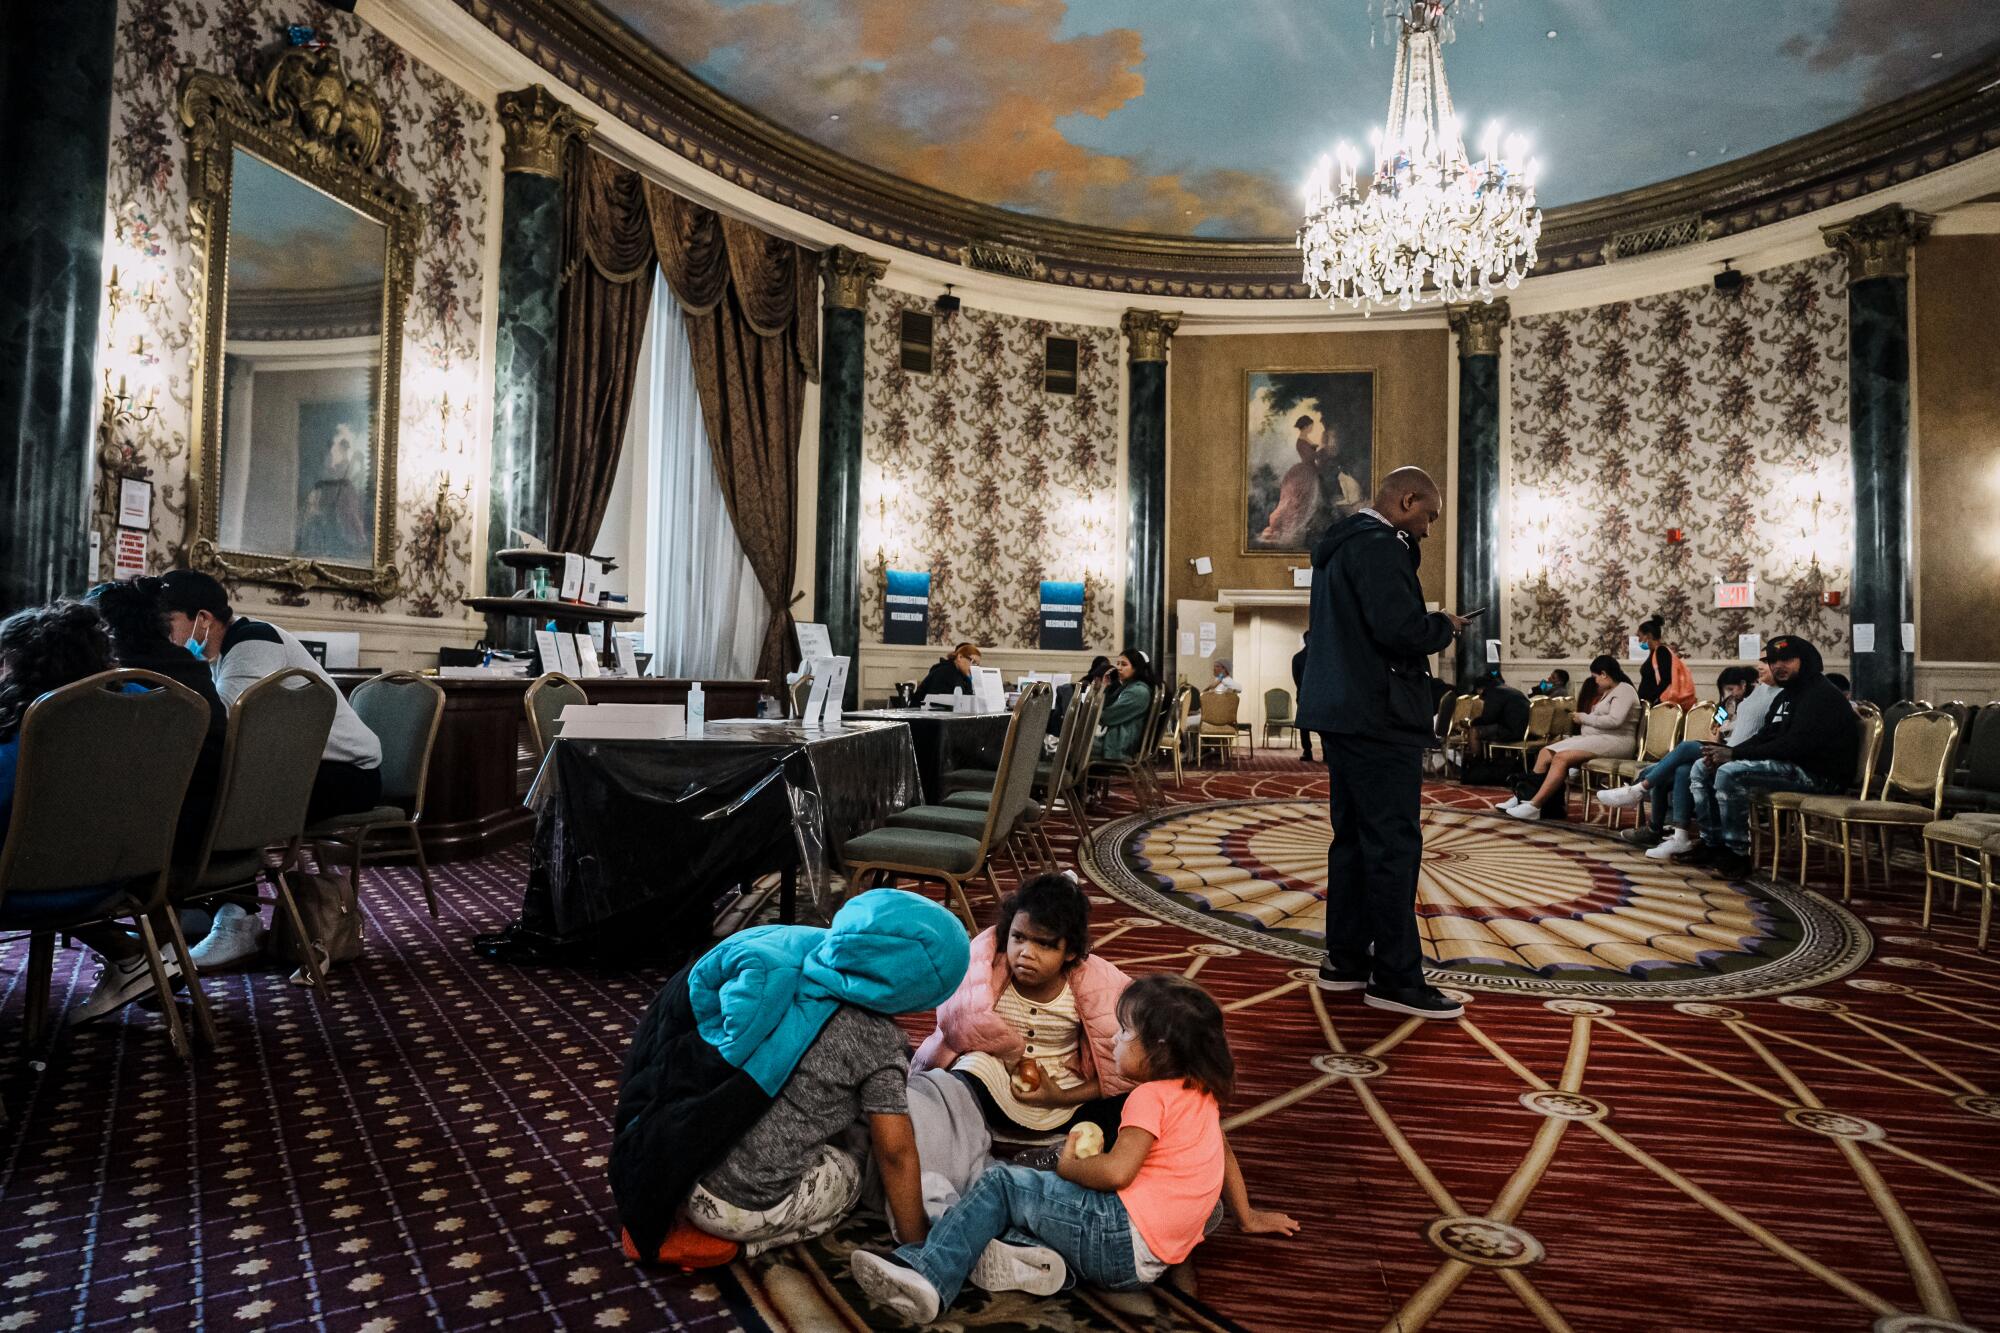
column 1365, row 669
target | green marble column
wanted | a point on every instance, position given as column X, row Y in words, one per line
column 537, row 132
column 1877, row 246
column 1480, row 329
column 1148, row 332
column 846, row 276
column 55, row 105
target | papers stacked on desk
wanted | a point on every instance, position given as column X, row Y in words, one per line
column 624, row 722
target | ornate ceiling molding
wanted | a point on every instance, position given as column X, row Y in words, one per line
column 589, row 50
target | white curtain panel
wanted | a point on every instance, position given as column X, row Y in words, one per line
column 705, row 614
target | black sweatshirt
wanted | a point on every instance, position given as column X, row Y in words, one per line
column 1365, row 670
column 1810, row 724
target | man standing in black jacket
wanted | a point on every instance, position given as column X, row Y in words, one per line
column 1807, row 743
column 1367, row 692
column 1299, row 692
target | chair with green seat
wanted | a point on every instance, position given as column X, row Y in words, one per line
column 102, row 771
column 1278, row 714
column 961, row 851
column 545, row 700
column 1052, row 782
column 1136, row 769
column 1926, row 745
column 1976, row 786
column 403, row 710
column 277, row 732
column 1771, row 811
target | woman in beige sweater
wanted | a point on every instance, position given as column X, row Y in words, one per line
column 1605, row 732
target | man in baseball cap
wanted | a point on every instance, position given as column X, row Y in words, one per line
column 1807, row 743
column 240, row 652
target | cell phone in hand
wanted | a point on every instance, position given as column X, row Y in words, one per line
column 1473, row 614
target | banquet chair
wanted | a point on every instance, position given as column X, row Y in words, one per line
column 277, row 732
column 545, row 700
column 1278, row 715
column 1699, row 724
column 404, row 711
column 1136, row 770
column 1926, row 744
column 1219, row 728
column 949, row 855
column 1173, row 736
column 1770, row 811
column 1976, row 785
column 72, row 857
column 1659, row 732
column 1541, row 730
column 1970, row 845
column 1030, row 834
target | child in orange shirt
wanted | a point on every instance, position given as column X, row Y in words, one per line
column 1122, row 1218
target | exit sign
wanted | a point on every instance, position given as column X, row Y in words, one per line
column 1735, row 596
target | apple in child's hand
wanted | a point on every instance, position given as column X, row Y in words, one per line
column 1027, row 1077
column 1086, row 1140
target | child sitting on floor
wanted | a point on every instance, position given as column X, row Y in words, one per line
column 1119, row 1219
column 765, row 1072
column 1031, row 1028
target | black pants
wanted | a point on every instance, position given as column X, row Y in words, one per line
column 1374, row 795
column 343, row 789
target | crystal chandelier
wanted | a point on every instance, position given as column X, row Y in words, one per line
column 1429, row 224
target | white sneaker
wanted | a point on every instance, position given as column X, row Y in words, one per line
column 118, row 984
column 1035, row 1269
column 1620, row 797
column 1507, row 806
column 896, row 1286
column 1677, row 843
column 235, row 936
column 1527, row 810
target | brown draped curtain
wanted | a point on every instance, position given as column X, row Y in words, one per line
column 749, row 299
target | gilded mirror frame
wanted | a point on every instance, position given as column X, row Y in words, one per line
column 305, row 117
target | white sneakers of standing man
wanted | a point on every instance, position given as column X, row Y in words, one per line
column 1620, row 797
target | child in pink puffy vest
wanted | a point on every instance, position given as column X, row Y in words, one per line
column 1031, row 1028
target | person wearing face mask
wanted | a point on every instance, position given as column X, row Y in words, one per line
column 240, row 652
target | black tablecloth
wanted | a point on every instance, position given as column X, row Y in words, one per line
column 945, row 741
column 635, row 840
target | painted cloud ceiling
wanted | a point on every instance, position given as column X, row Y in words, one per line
column 1202, row 116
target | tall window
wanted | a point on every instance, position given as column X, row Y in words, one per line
column 705, row 614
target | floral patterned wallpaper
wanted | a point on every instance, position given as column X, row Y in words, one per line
column 1723, row 417
column 977, row 474
column 439, row 142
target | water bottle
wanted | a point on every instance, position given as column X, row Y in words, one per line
column 697, row 710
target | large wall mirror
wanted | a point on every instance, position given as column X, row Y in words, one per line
column 307, row 252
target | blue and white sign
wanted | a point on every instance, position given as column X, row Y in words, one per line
column 906, row 606
column 1062, row 615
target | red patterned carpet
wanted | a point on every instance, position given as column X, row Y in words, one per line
column 427, row 1149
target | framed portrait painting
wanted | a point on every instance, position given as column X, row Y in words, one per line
column 1308, row 455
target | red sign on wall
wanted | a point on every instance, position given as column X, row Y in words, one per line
column 1735, row 596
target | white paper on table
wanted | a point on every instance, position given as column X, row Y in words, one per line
column 566, row 661
column 1493, row 651
column 814, row 640
column 586, row 656
column 1909, row 637
column 545, row 644
column 637, row 722
column 1864, row 637
column 989, row 690
column 1187, row 643
column 135, row 503
column 836, row 693
column 821, row 668
column 572, row 579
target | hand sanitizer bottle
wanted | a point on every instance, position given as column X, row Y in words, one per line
column 697, row 710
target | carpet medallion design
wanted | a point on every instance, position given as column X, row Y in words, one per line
column 1544, row 909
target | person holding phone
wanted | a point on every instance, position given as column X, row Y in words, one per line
column 1366, row 689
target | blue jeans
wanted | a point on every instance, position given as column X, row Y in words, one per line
column 1667, row 783
column 1088, row 1228
column 1728, row 790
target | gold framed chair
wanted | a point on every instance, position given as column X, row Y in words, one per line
column 1659, row 733
column 404, row 710
column 1465, row 711
column 545, row 700
column 1926, row 746
column 1699, row 724
column 1219, row 728
column 1606, row 767
column 1542, row 712
column 1771, row 810
column 1173, row 737
column 1970, row 845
